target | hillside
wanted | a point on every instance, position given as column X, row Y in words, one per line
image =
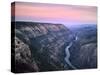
column 84, row 50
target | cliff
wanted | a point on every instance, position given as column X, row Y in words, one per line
column 40, row 46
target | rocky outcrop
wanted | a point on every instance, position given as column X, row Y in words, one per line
column 40, row 46
column 23, row 59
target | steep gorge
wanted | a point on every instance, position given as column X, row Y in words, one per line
column 44, row 44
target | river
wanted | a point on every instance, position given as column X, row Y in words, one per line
column 67, row 52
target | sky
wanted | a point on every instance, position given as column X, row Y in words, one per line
column 54, row 13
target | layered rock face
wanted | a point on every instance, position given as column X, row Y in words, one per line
column 40, row 46
column 84, row 49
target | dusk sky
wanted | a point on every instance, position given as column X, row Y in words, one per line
column 54, row 13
